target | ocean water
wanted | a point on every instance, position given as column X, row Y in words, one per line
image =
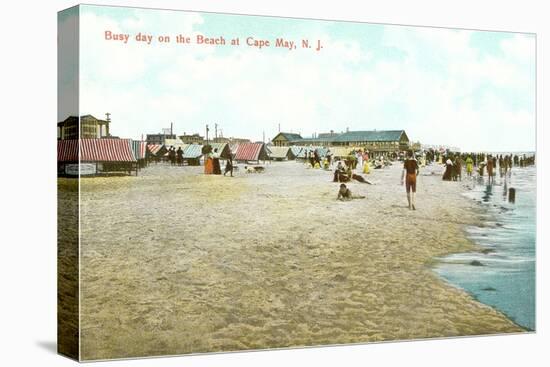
column 502, row 275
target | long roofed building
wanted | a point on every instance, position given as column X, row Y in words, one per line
column 382, row 141
column 375, row 140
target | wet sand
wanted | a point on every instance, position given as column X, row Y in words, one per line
column 174, row 262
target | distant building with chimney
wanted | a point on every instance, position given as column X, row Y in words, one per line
column 240, row 140
column 159, row 139
column 331, row 134
column 191, row 139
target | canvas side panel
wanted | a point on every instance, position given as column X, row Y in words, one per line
column 67, row 186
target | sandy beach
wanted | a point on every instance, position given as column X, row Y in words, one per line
column 174, row 261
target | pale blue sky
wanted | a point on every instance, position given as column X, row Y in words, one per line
column 471, row 89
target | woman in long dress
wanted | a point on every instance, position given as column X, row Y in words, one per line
column 448, row 174
column 216, row 169
column 208, row 162
column 359, row 156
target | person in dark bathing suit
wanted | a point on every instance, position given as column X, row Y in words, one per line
column 172, row 156
column 228, row 166
column 490, row 169
column 179, row 156
column 408, row 177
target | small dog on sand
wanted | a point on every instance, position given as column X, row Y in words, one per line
column 256, row 169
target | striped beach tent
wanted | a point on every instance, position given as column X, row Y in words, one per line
column 192, row 151
column 251, row 152
column 192, row 154
column 223, row 149
column 296, row 150
column 281, row 153
column 106, row 150
column 95, row 150
column 234, row 147
column 67, row 150
column 140, row 149
column 156, row 149
column 96, row 155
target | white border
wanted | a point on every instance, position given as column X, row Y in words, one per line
column 28, row 235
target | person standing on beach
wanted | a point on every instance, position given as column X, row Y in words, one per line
column 316, row 158
column 172, row 156
column 179, row 156
column 228, row 166
column 359, row 157
column 410, row 171
column 329, row 157
column 469, row 165
column 366, row 168
column 454, row 172
column 216, row 162
column 505, row 166
column 448, row 174
column 458, row 168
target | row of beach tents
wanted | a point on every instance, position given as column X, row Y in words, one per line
column 75, row 156
column 128, row 150
column 246, row 152
column 133, row 154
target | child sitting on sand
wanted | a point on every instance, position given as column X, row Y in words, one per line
column 345, row 194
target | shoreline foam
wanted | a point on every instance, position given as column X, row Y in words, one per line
column 503, row 252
